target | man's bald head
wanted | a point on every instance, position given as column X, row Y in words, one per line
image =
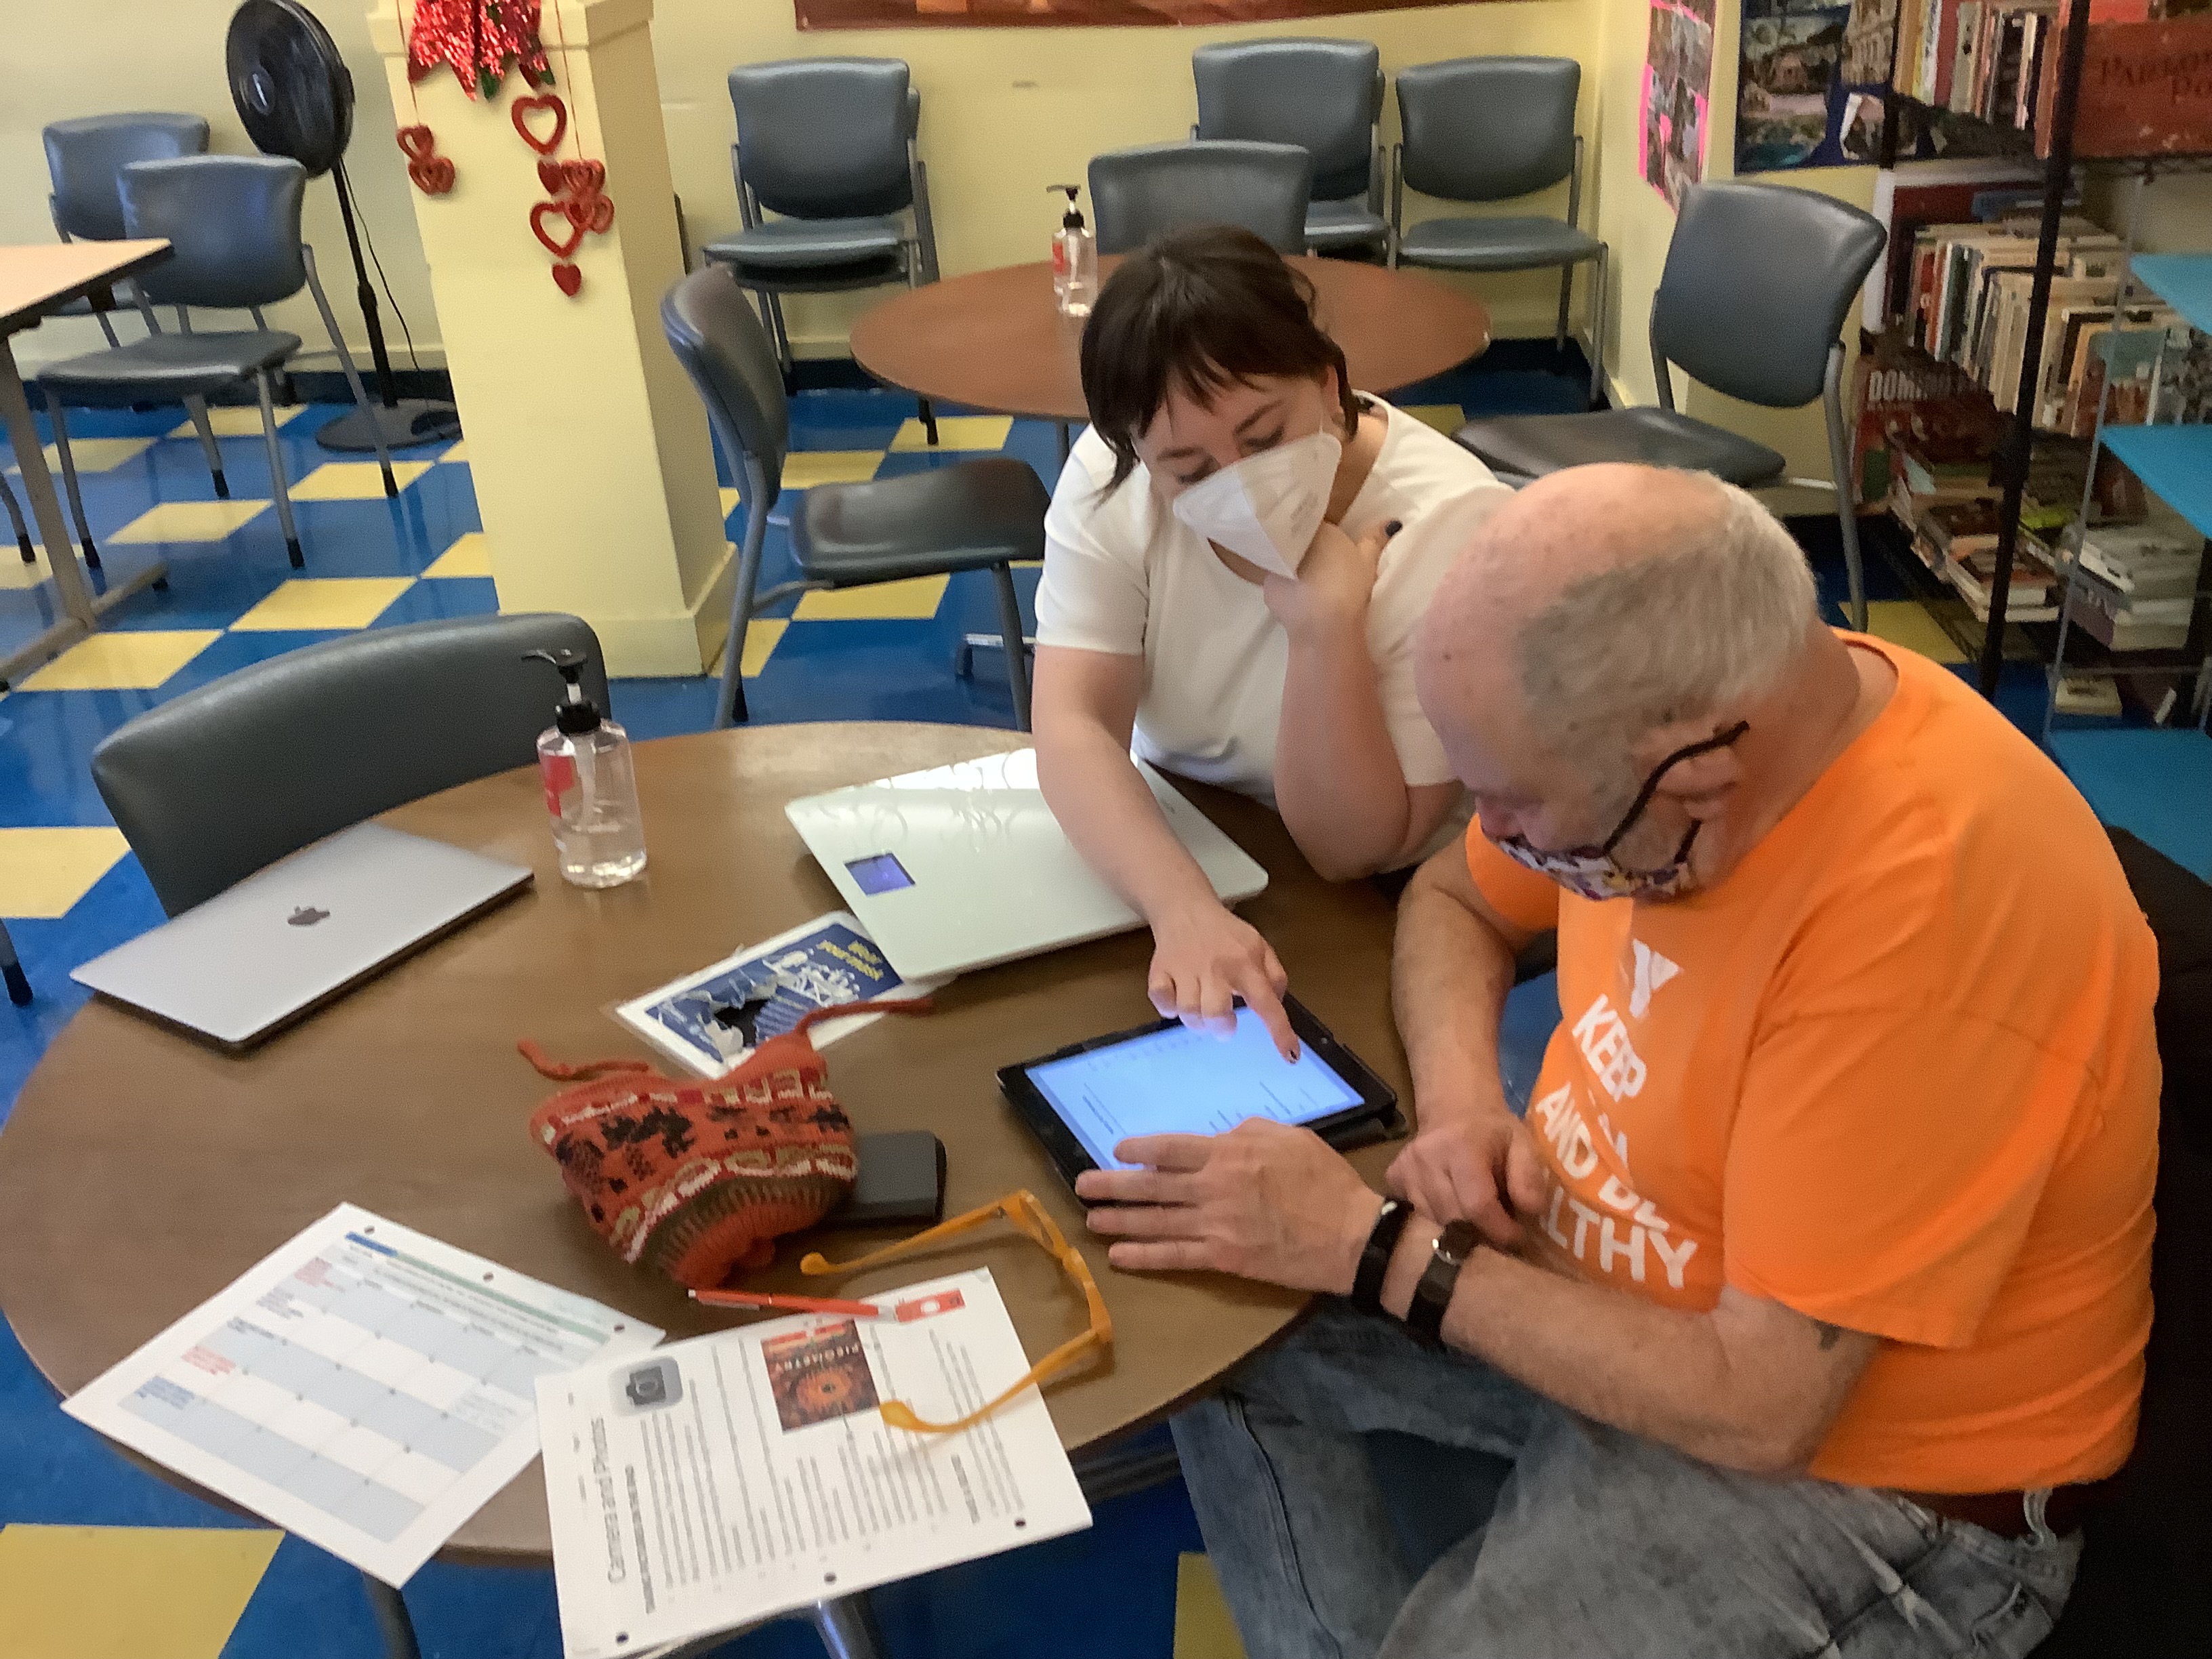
column 1603, row 603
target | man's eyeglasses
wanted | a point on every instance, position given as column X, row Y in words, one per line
column 1022, row 1209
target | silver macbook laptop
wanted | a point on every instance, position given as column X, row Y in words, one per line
column 964, row 865
column 288, row 938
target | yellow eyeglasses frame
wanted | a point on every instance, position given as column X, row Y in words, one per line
column 1030, row 1218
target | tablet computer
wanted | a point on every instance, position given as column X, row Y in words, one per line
column 1165, row 1079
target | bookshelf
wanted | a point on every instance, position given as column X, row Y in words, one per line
column 2043, row 49
column 2174, row 464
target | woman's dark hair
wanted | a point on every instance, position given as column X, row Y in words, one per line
column 1195, row 312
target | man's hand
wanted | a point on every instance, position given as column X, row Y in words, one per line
column 1205, row 958
column 1264, row 1202
column 1479, row 1164
column 1335, row 580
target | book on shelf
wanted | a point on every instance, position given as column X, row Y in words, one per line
column 2031, row 595
column 1913, row 195
column 2160, row 558
column 2130, row 358
column 2122, row 622
column 1965, row 60
column 2144, row 91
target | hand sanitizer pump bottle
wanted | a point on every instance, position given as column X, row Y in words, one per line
column 590, row 787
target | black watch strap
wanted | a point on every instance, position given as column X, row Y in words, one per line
column 1374, row 1259
column 1425, row 1317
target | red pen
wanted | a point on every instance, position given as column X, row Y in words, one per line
column 788, row 1304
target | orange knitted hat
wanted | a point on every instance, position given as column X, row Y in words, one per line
column 699, row 1179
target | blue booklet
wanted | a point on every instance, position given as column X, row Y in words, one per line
column 708, row 1021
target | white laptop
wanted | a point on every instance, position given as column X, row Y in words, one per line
column 964, row 865
column 288, row 938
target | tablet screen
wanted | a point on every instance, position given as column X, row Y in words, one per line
column 1179, row 1081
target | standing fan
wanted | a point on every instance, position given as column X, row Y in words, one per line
column 294, row 95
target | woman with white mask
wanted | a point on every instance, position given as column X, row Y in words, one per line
column 1235, row 563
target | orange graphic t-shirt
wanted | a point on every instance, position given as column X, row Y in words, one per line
column 1895, row 1071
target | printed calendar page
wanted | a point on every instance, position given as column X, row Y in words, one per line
column 365, row 1387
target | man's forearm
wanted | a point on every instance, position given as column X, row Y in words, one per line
column 1651, row 1370
column 1338, row 783
column 1449, row 975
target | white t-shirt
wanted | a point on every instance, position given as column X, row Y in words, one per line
column 1123, row 574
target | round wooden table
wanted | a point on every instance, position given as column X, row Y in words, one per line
column 141, row 1172
column 994, row 340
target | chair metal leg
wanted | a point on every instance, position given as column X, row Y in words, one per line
column 847, row 1628
column 775, row 305
column 198, row 409
column 1839, row 462
column 16, row 523
column 393, row 1621
column 1597, row 392
column 928, row 419
column 261, row 383
column 352, row 374
column 69, row 481
column 1060, row 433
column 19, row 984
column 1566, row 300
column 730, row 701
column 1010, row 631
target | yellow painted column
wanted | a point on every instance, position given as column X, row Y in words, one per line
column 593, row 470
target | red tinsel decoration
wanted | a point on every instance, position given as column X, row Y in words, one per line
column 480, row 40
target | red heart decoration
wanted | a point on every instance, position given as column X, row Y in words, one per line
column 592, row 213
column 568, row 278
column 584, row 178
column 558, row 250
column 549, row 174
column 433, row 177
column 417, row 142
column 522, row 109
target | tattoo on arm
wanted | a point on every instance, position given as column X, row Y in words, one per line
column 1830, row 1334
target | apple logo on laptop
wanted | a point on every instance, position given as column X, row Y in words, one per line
column 306, row 916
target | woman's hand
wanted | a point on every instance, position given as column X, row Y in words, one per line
column 1334, row 585
column 1265, row 1202
column 1205, row 958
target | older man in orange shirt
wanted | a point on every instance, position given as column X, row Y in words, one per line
column 1809, row 1299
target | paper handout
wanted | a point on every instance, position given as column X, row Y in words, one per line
column 734, row 1477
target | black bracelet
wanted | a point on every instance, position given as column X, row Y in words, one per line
column 1425, row 1317
column 1374, row 1259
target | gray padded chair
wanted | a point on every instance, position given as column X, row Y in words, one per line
column 234, row 223
column 829, row 146
column 1325, row 96
column 1752, row 302
column 976, row 515
column 85, row 159
column 212, row 785
column 1139, row 193
column 1489, row 129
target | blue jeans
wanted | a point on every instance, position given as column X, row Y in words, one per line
column 1602, row 1544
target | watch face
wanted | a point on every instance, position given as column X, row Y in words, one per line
column 1458, row 1242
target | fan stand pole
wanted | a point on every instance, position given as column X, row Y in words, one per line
column 401, row 421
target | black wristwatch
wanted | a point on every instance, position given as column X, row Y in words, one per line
column 1425, row 1316
column 1374, row 1259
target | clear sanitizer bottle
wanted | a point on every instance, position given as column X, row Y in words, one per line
column 590, row 786
column 1074, row 260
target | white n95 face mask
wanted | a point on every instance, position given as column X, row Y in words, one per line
column 1267, row 506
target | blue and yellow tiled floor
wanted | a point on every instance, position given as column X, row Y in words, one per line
column 99, row 1560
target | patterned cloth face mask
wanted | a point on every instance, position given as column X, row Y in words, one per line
column 1593, row 872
